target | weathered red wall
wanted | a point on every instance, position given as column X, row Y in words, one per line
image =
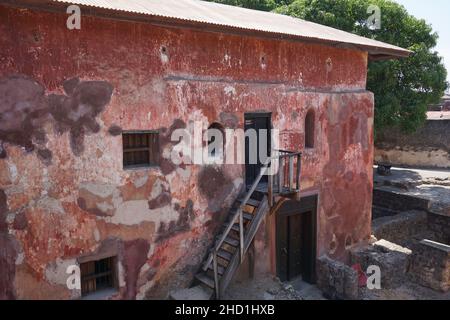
column 63, row 192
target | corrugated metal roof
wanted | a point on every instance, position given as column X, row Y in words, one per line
column 214, row 14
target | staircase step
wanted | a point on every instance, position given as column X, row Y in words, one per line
column 251, row 202
column 220, row 262
column 225, row 254
column 205, row 279
column 246, row 215
column 232, row 241
column 235, row 227
column 220, row 269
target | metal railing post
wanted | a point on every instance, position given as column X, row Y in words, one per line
column 299, row 166
column 241, row 234
column 216, row 275
column 270, row 189
column 281, row 176
column 291, row 173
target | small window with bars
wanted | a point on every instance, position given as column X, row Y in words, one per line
column 140, row 149
column 98, row 275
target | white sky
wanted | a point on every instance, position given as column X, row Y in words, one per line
column 436, row 13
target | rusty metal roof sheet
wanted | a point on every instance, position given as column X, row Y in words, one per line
column 214, row 14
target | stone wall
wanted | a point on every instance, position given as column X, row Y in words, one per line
column 400, row 228
column 395, row 202
column 336, row 280
column 429, row 147
column 430, row 265
column 392, row 259
column 440, row 226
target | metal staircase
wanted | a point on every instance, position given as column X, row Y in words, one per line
column 245, row 217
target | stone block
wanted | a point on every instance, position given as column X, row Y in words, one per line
column 430, row 265
column 337, row 280
column 392, row 259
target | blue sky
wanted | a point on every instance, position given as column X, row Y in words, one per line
column 436, row 13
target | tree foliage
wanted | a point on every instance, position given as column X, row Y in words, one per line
column 403, row 88
column 265, row 5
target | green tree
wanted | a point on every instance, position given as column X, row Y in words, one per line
column 265, row 5
column 403, row 88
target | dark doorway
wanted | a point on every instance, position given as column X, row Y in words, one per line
column 296, row 240
column 253, row 162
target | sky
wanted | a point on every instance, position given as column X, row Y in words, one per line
column 436, row 13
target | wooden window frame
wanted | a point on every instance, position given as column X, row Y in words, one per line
column 156, row 150
column 86, row 278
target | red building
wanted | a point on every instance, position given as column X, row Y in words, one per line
column 87, row 115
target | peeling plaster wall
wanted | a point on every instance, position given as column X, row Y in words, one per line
column 64, row 193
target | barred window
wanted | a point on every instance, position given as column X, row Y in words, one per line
column 98, row 275
column 140, row 149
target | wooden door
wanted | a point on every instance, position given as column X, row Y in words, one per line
column 295, row 245
column 256, row 121
column 296, row 240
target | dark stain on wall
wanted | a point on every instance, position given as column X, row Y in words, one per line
column 166, row 165
column 161, row 200
column 24, row 110
column 186, row 216
column 20, row 221
column 134, row 257
column 77, row 111
column 115, row 130
column 215, row 186
column 8, row 254
column 3, row 211
column 45, row 155
column 92, row 210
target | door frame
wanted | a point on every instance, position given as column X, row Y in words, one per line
column 304, row 205
column 253, row 115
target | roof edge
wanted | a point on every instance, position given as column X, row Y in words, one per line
column 375, row 53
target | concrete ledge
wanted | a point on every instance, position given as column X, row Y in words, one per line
column 436, row 245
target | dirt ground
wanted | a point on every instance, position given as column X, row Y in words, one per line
column 408, row 291
column 266, row 287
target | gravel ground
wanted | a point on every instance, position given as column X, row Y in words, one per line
column 266, row 287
